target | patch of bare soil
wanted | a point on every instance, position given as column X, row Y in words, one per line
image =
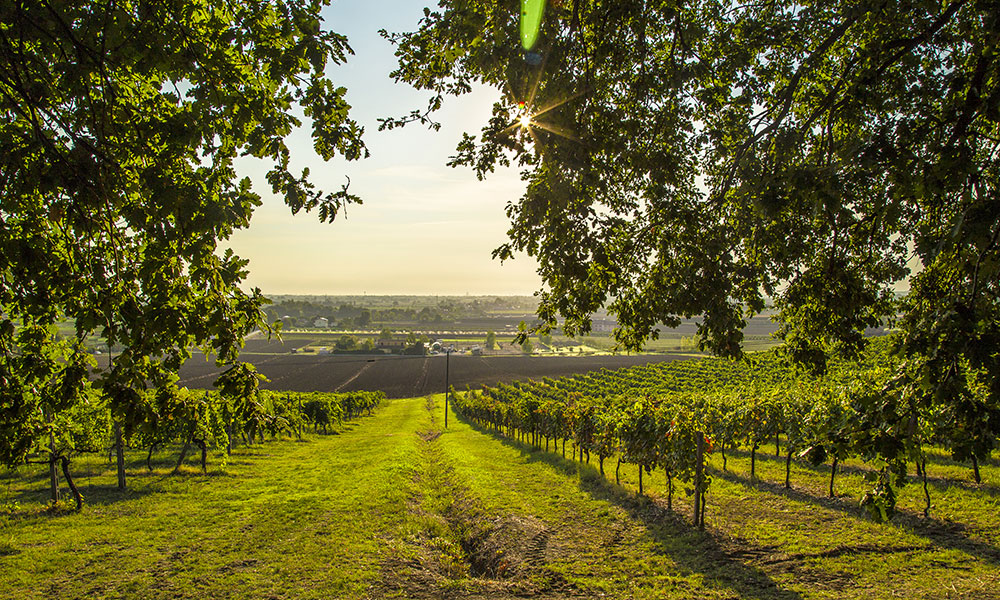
column 429, row 436
column 495, row 557
column 462, row 550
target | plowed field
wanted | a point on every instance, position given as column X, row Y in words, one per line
column 406, row 376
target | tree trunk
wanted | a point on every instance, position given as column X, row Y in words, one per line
column 72, row 486
column 120, row 455
column 229, row 438
column 777, row 445
column 53, row 473
column 975, row 470
column 588, row 458
column 600, row 463
column 640, row 480
column 753, row 461
column 788, row 468
column 149, row 457
column 617, row 471
column 564, row 448
column 833, row 473
column 53, row 479
column 670, row 489
column 723, row 448
column 204, row 454
column 180, row 459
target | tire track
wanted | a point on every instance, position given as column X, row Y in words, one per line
column 421, row 382
column 353, row 377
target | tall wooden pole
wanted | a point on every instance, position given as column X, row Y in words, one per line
column 699, row 477
column 447, row 369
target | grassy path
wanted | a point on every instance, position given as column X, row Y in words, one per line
column 762, row 540
column 397, row 507
column 285, row 520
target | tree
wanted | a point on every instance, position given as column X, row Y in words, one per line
column 120, row 124
column 365, row 318
column 689, row 159
column 346, row 342
column 527, row 347
column 385, row 335
column 491, row 340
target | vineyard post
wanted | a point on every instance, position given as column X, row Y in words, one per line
column 447, row 367
column 698, row 478
column 53, row 473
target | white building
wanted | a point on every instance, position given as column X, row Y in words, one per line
column 321, row 322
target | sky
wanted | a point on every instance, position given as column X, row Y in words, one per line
column 424, row 228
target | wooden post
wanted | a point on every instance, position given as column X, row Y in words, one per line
column 447, row 370
column 699, row 477
column 120, row 454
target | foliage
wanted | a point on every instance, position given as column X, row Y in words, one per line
column 183, row 416
column 700, row 158
column 654, row 415
column 120, row 125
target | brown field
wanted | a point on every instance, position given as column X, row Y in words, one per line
column 406, row 376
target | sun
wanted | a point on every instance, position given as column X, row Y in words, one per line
column 525, row 120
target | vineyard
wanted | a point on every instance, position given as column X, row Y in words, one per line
column 187, row 418
column 394, row 505
column 673, row 416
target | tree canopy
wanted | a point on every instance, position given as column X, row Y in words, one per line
column 120, row 127
column 699, row 158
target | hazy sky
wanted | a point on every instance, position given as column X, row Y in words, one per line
column 424, row 228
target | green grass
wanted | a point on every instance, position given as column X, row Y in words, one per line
column 287, row 519
column 396, row 506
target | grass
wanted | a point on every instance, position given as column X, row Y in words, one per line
column 281, row 520
column 398, row 506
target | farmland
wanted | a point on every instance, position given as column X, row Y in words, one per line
column 406, row 376
column 293, row 363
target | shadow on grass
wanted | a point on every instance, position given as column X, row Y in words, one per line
column 945, row 534
column 96, row 480
column 33, row 501
column 939, row 483
column 943, row 459
column 692, row 550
